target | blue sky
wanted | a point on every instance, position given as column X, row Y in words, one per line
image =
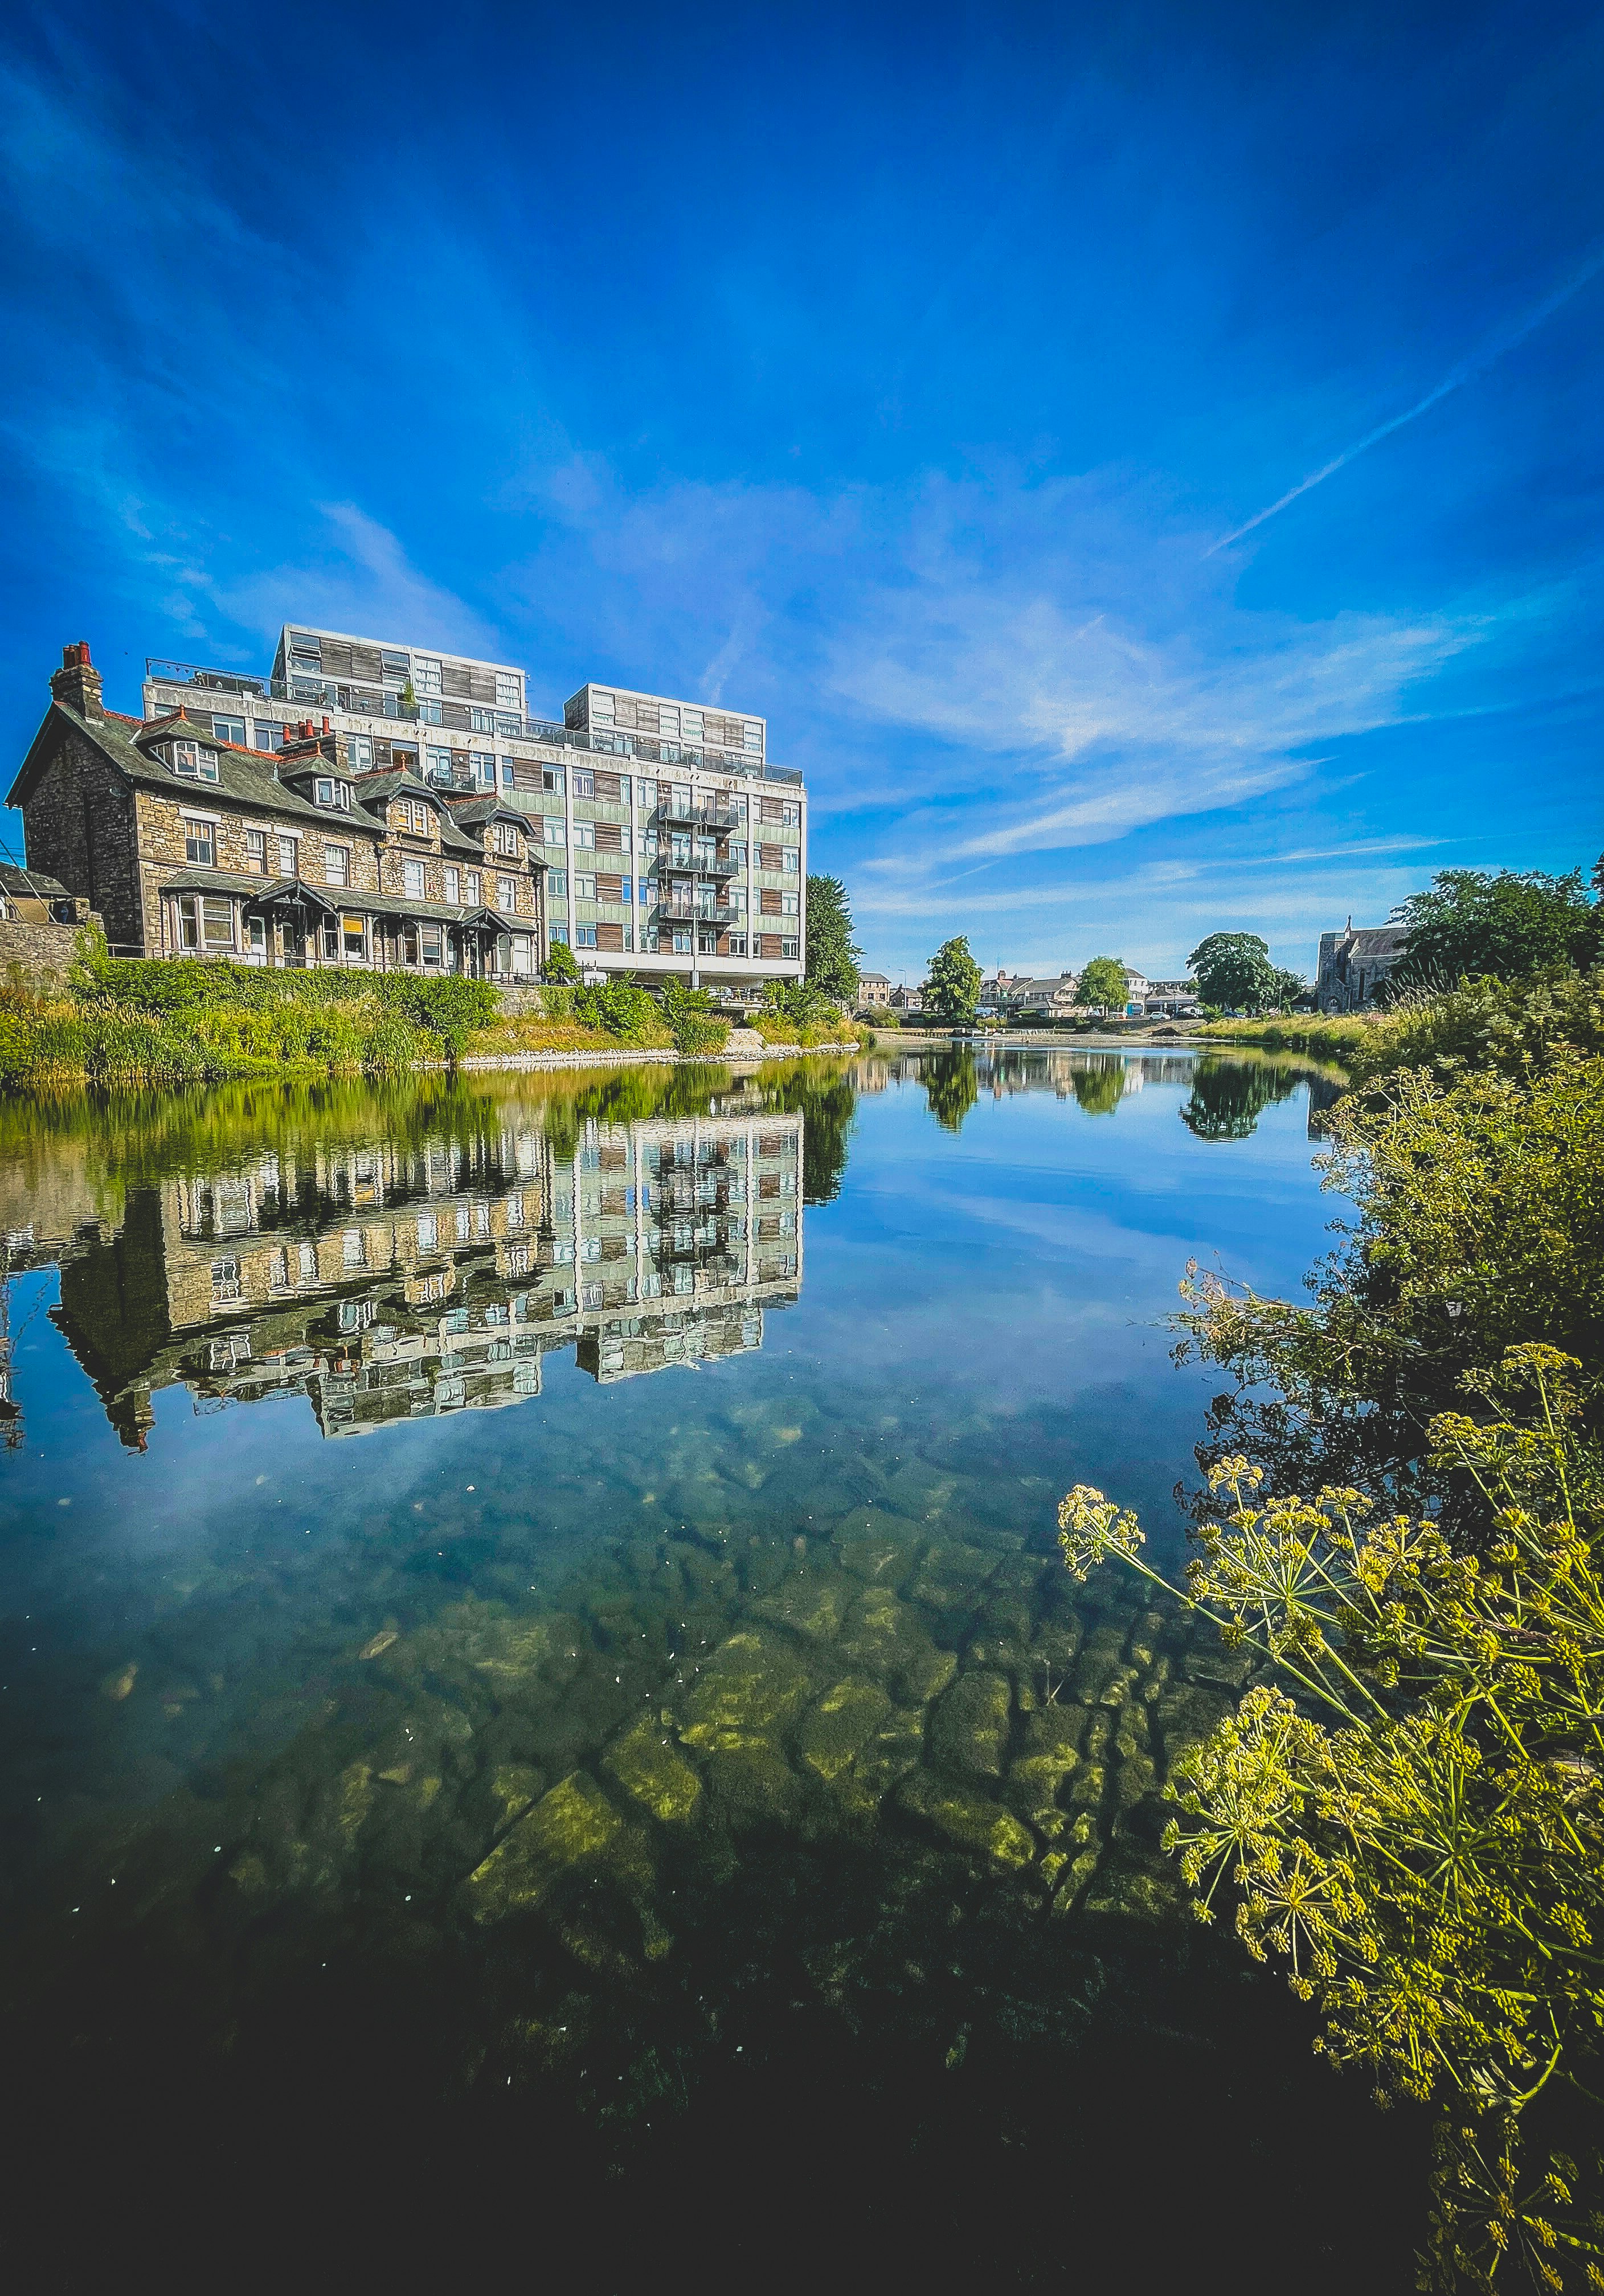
column 1145, row 462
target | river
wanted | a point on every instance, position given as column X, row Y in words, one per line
column 543, row 1713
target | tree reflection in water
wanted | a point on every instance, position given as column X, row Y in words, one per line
column 951, row 1087
column 1101, row 1086
column 1229, row 1096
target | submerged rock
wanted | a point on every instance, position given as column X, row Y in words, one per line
column 969, row 1728
column 835, row 1732
column 749, row 1689
column 974, row 1823
column 652, row 1771
column 572, row 1826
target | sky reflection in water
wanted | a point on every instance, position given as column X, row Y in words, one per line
column 486, row 1529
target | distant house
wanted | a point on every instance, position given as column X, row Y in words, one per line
column 1046, row 997
column 1171, row 1000
column 1354, row 962
column 874, row 988
column 905, row 1000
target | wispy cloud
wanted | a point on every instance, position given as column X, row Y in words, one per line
column 1465, row 371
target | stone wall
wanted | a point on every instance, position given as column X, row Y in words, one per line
column 36, row 955
column 78, row 823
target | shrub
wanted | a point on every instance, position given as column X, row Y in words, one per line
column 694, row 1026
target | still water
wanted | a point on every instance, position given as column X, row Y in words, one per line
column 536, row 1669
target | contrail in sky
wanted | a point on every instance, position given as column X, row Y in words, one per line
column 1467, row 371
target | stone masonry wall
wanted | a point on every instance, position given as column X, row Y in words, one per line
column 79, row 827
column 38, row 955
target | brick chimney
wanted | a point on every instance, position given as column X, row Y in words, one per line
column 77, row 684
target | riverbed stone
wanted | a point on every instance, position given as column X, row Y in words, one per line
column 969, row 1725
column 835, row 1729
column 652, row 1771
column 572, row 1827
column 809, row 1601
column 747, row 1691
column 972, row 1820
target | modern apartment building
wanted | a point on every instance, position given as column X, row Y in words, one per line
column 664, row 839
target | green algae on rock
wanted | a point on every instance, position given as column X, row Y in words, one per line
column 834, row 1731
column 652, row 1771
column 574, row 1825
column 969, row 1820
column 969, row 1726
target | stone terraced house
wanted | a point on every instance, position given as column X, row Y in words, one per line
column 188, row 844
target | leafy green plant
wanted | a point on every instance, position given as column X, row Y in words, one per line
column 1414, row 1823
column 696, row 1027
column 1102, row 983
column 952, row 991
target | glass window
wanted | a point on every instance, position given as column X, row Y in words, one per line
column 193, row 762
column 200, row 844
column 509, row 690
column 425, row 674
column 440, row 764
column 506, row 894
column 737, row 944
column 506, row 839
column 584, row 782
column 789, row 859
column 787, row 948
column 217, row 922
column 359, row 751
column 690, row 723
column 324, row 791
column 482, row 765
column 189, row 920
column 558, row 933
column 557, row 829
column 256, row 936
column 412, row 873
column 431, row 947
column 752, row 736
column 268, row 736
column 788, row 902
column 682, row 944
column 289, row 856
column 329, row 941
column 354, row 933
column 556, row 884
column 584, row 832
column 336, row 865
column 791, row 816
column 584, row 936
column 482, row 721
column 473, row 888
column 584, row 888
column 256, row 851
column 228, row 729
column 454, row 886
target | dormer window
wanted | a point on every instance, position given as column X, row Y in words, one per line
column 193, row 760
column 506, row 840
column 337, row 794
column 413, row 816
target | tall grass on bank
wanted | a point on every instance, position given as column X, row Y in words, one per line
column 129, row 1024
column 1508, row 1027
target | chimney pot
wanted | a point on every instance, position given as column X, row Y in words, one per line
column 77, row 684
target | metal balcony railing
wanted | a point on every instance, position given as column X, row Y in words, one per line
column 307, row 692
column 681, row 914
column 686, row 813
column 684, row 865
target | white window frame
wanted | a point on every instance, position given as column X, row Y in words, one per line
column 344, row 880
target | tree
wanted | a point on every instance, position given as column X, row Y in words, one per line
column 1290, row 989
column 561, row 969
column 830, row 955
column 1103, row 984
column 952, row 991
column 1233, row 971
column 1480, row 921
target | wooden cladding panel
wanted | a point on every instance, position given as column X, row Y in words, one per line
column 610, row 936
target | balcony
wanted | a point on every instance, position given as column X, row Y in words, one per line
column 306, row 690
column 681, row 864
column 680, row 914
column 685, row 813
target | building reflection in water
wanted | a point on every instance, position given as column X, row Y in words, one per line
column 404, row 1279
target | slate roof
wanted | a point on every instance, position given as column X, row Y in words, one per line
column 245, row 776
column 29, row 885
column 336, row 899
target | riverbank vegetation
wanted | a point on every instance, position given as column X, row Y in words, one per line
column 1401, row 1526
column 167, row 1023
